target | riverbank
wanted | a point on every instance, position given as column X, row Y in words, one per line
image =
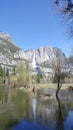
column 52, row 85
column 36, row 87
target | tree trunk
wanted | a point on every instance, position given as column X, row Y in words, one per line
column 60, row 115
column 58, row 89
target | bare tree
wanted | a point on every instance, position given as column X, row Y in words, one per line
column 58, row 72
column 65, row 7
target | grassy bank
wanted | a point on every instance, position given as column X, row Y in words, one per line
column 41, row 86
column 51, row 85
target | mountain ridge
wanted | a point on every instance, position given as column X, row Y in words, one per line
column 11, row 54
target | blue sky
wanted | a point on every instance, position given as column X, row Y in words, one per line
column 34, row 23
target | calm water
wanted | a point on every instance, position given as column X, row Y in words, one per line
column 25, row 111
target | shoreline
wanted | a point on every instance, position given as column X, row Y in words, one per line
column 44, row 86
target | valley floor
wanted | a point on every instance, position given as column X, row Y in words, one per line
column 44, row 86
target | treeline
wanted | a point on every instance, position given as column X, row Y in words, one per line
column 22, row 74
column 4, row 75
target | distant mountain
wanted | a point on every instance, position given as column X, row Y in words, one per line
column 7, row 50
column 11, row 54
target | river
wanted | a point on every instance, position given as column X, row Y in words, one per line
column 28, row 111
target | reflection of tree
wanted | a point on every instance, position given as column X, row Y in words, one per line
column 14, row 106
column 61, row 114
column 3, row 95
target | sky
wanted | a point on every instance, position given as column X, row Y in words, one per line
column 34, row 23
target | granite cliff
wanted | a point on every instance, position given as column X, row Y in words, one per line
column 11, row 54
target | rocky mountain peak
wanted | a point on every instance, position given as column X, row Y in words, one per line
column 6, row 37
column 10, row 54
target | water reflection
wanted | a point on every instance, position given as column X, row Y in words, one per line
column 69, row 121
column 34, row 106
column 19, row 110
column 61, row 114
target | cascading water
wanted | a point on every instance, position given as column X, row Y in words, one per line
column 34, row 61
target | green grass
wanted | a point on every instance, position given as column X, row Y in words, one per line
column 51, row 85
column 40, row 86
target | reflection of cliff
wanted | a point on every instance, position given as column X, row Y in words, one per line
column 34, row 106
column 43, row 113
column 52, row 112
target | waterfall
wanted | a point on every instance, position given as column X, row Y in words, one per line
column 34, row 61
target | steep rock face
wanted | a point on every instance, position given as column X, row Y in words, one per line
column 40, row 55
column 59, row 53
column 43, row 54
column 10, row 54
column 6, row 37
column 7, row 50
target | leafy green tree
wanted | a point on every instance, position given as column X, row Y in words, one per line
column 13, row 71
column 7, row 72
column 23, row 73
column 1, row 71
column 2, row 74
column 38, row 78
